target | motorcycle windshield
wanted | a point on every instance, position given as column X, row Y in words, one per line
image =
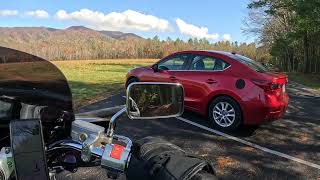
column 28, row 79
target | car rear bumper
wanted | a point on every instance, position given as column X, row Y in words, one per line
column 275, row 115
column 262, row 112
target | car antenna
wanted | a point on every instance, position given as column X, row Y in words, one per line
column 233, row 52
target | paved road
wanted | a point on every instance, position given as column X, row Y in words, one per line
column 297, row 134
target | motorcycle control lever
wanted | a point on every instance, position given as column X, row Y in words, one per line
column 112, row 125
column 115, row 149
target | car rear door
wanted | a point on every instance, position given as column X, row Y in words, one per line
column 200, row 80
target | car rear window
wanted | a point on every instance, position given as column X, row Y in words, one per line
column 255, row 65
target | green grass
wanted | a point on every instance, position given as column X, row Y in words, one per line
column 310, row 80
column 93, row 80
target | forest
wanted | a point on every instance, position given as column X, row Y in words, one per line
column 289, row 30
column 81, row 43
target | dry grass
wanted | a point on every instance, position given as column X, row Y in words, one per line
column 226, row 162
column 248, row 149
column 304, row 137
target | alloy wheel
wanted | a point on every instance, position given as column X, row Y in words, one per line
column 224, row 114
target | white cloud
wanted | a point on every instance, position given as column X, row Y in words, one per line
column 227, row 37
column 195, row 31
column 127, row 20
column 8, row 13
column 42, row 14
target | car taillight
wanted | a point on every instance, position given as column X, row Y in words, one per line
column 273, row 85
column 283, row 80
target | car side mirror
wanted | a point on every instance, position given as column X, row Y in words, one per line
column 154, row 100
column 155, row 68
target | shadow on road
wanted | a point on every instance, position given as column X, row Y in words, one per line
column 232, row 160
column 244, row 131
column 296, row 89
column 297, row 134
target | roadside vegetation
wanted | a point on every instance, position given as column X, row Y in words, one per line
column 310, row 80
column 93, row 80
column 289, row 30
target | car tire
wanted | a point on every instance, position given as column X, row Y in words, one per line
column 132, row 80
column 225, row 113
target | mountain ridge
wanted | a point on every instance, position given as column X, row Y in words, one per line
column 43, row 31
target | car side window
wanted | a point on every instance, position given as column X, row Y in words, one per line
column 5, row 109
column 178, row 62
column 205, row 63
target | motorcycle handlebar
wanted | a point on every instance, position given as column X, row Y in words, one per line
column 70, row 144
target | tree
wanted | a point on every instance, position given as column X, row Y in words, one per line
column 290, row 29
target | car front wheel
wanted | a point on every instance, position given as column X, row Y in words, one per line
column 225, row 113
column 132, row 80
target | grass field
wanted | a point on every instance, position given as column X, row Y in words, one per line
column 93, row 80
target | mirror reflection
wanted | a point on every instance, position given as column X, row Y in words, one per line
column 154, row 100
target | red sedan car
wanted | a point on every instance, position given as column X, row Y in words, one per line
column 228, row 88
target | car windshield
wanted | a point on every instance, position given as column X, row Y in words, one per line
column 255, row 65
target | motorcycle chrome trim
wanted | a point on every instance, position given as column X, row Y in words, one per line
column 90, row 119
column 89, row 135
column 67, row 144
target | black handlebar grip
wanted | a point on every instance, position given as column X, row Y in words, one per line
column 156, row 159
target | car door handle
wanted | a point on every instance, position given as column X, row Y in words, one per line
column 173, row 78
column 211, row 81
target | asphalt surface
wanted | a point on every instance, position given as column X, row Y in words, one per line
column 297, row 135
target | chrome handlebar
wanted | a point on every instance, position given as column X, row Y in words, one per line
column 91, row 139
column 115, row 157
column 98, row 152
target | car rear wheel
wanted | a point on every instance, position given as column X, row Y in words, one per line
column 225, row 113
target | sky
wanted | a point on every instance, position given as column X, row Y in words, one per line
column 215, row 20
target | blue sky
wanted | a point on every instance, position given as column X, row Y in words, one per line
column 211, row 19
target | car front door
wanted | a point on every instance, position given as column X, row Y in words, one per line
column 169, row 69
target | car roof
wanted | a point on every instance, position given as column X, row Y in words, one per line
column 226, row 53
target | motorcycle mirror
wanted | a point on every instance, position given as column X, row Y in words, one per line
column 150, row 100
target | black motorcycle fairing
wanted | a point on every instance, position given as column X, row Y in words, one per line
column 36, row 89
column 33, row 80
